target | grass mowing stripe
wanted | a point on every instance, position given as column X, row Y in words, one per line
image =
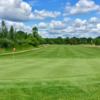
column 19, row 68
column 63, row 65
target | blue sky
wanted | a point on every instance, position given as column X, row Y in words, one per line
column 59, row 5
column 54, row 18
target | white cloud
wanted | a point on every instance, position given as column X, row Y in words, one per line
column 56, row 24
column 98, row 26
column 15, row 10
column 76, row 27
column 78, row 22
column 18, row 10
column 42, row 25
column 18, row 26
column 68, row 29
column 42, row 14
column 52, row 28
column 82, row 6
column 94, row 20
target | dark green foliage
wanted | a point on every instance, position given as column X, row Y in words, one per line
column 6, row 43
column 90, row 40
column 35, row 32
column 20, row 35
column 73, row 41
column 97, row 41
column 12, row 38
column 49, row 41
column 11, row 33
column 59, row 40
column 4, row 29
column 20, row 38
column 34, row 42
column 37, row 36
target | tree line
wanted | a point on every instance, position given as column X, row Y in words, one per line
column 11, row 38
column 74, row 40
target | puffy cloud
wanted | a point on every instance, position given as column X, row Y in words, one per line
column 18, row 26
column 76, row 27
column 52, row 25
column 98, row 26
column 15, row 10
column 42, row 25
column 94, row 20
column 18, row 10
column 78, row 22
column 51, row 29
column 42, row 14
column 68, row 29
column 82, row 6
column 57, row 24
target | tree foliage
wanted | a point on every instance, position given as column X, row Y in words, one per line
column 11, row 33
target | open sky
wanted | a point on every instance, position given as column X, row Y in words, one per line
column 54, row 18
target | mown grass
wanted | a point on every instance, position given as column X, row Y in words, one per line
column 18, row 48
column 57, row 72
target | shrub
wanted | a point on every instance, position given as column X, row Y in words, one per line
column 6, row 43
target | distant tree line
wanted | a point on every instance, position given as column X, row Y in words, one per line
column 12, row 38
column 73, row 40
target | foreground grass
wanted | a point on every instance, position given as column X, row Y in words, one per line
column 51, row 73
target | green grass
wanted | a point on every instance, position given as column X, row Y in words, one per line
column 18, row 48
column 56, row 72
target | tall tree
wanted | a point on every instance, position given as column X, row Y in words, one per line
column 11, row 33
column 37, row 36
column 35, row 32
column 4, row 29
